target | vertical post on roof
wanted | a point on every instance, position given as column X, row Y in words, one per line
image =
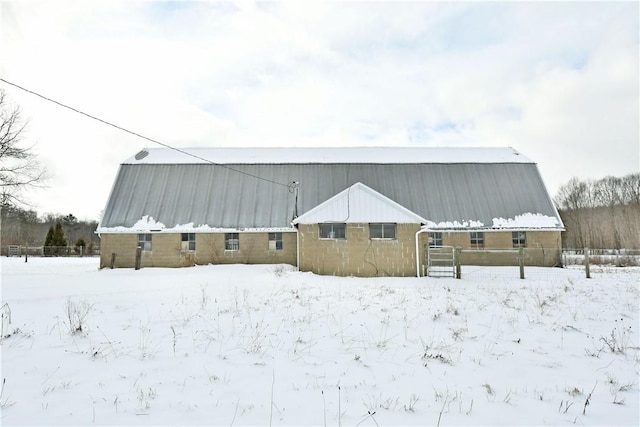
column 293, row 188
column 138, row 257
column 586, row 263
column 456, row 259
column 521, row 262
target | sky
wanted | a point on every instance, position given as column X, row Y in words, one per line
column 557, row 81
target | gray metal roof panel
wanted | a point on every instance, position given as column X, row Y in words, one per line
column 206, row 194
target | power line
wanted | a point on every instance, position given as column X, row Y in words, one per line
column 75, row 110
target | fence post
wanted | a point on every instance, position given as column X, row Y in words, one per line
column 26, row 252
column 458, row 250
column 521, row 262
column 138, row 257
column 113, row 260
column 586, row 263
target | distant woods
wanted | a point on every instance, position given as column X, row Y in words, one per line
column 601, row 214
column 22, row 226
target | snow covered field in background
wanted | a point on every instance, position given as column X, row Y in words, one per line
column 260, row 345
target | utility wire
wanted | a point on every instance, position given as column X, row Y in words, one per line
column 75, row 110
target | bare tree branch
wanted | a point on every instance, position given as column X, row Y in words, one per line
column 19, row 166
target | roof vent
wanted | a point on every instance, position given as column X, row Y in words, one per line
column 141, row 154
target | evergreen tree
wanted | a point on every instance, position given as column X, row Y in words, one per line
column 80, row 243
column 55, row 240
column 58, row 235
column 48, row 241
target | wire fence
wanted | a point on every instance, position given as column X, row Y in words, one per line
column 489, row 264
column 605, row 257
column 536, row 263
column 48, row 251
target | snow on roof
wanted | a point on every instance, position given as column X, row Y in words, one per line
column 282, row 155
column 359, row 204
column 147, row 224
column 526, row 221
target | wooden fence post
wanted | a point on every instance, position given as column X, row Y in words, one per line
column 138, row 257
column 521, row 262
column 456, row 257
column 26, row 251
column 113, row 260
column 586, row 263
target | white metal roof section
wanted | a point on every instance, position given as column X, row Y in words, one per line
column 321, row 155
column 359, row 204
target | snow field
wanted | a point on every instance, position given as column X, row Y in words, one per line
column 266, row 345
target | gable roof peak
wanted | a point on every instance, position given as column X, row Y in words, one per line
column 359, row 203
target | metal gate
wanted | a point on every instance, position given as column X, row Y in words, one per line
column 441, row 261
column 14, row 250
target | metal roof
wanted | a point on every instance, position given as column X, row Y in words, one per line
column 230, row 195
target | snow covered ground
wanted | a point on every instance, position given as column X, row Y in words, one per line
column 261, row 345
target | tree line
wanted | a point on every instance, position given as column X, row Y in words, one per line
column 20, row 171
column 23, row 226
column 602, row 213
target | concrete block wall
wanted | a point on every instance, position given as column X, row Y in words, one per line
column 254, row 249
column 122, row 245
column 358, row 255
column 166, row 250
column 543, row 248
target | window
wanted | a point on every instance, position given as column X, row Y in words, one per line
column 382, row 231
column 275, row 241
column 144, row 242
column 477, row 240
column 231, row 241
column 435, row 239
column 333, row 231
column 188, row 241
column 519, row 239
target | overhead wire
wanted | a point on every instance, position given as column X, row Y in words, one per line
column 142, row 136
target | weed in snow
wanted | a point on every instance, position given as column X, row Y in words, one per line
column 77, row 312
column 618, row 339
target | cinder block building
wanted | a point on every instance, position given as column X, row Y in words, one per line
column 360, row 211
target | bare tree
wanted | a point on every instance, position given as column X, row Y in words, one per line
column 601, row 214
column 631, row 190
column 19, row 167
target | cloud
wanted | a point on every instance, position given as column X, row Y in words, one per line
column 556, row 81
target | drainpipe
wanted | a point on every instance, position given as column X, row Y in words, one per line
column 297, row 245
column 422, row 230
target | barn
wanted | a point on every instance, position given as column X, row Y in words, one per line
column 351, row 211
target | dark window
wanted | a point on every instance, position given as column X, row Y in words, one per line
column 188, row 241
column 144, row 242
column 231, row 241
column 333, row 231
column 519, row 239
column 275, row 241
column 435, row 239
column 477, row 240
column 382, row 231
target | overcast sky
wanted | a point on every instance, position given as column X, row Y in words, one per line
column 558, row 81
